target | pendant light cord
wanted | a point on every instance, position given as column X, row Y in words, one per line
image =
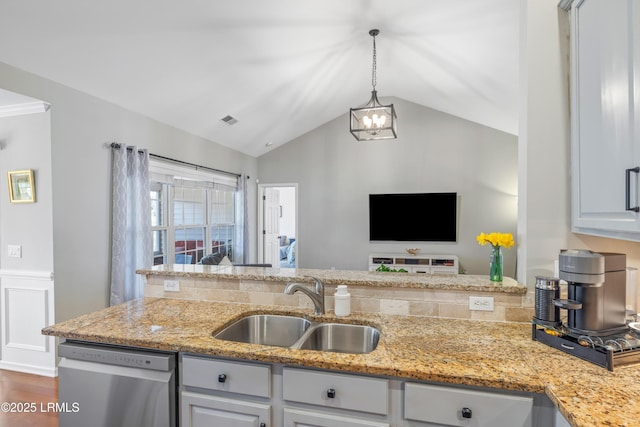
column 373, row 69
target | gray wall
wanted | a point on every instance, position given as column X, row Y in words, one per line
column 80, row 182
column 25, row 143
column 434, row 152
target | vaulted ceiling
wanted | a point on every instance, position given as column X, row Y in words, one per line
column 280, row 67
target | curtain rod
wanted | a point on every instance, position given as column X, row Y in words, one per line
column 155, row 156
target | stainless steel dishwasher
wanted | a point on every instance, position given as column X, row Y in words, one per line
column 109, row 386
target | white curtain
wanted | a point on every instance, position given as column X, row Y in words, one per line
column 242, row 222
column 131, row 246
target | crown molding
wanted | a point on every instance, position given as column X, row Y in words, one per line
column 26, row 108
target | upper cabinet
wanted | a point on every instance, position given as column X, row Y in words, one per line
column 605, row 117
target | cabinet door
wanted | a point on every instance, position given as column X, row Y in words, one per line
column 603, row 116
column 199, row 410
column 298, row 418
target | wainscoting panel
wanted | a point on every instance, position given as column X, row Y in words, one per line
column 26, row 306
column 23, row 322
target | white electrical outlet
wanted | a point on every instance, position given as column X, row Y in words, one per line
column 172, row 285
column 481, row 303
column 14, row 251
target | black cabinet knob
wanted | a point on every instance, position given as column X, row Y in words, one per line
column 331, row 393
column 466, row 413
column 263, row 424
column 222, row 378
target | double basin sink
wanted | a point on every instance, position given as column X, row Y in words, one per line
column 300, row 333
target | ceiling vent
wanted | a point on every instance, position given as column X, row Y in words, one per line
column 229, row 120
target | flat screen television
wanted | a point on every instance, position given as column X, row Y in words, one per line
column 413, row 217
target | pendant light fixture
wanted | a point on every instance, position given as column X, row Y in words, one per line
column 373, row 120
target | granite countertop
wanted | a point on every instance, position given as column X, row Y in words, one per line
column 461, row 282
column 488, row 354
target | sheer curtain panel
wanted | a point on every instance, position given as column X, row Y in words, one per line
column 131, row 239
column 242, row 222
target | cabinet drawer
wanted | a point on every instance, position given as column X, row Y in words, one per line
column 444, row 405
column 234, row 377
column 349, row 391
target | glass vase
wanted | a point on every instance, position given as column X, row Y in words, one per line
column 495, row 264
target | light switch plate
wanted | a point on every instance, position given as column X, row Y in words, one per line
column 481, row 303
column 172, row 285
column 14, row 251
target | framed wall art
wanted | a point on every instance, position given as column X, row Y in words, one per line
column 21, row 188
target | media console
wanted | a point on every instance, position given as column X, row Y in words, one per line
column 427, row 264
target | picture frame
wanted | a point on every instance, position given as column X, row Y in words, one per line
column 21, row 186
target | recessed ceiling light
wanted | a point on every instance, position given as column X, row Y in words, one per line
column 230, row 120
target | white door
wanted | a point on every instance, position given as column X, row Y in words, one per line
column 271, row 224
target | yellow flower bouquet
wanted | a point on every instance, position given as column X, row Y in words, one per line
column 497, row 241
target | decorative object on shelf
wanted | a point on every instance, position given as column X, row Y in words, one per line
column 413, row 251
column 373, row 120
column 390, row 270
column 21, row 188
column 497, row 242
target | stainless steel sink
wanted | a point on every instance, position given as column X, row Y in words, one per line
column 299, row 333
column 341, row 338
column 266, row 329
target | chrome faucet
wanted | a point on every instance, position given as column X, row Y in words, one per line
column 317, row 297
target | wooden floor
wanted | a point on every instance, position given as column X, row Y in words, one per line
column 35, row 393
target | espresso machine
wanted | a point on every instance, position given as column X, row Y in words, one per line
column 596, row 292
column 595, row 328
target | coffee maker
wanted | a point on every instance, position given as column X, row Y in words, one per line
column 596, row 292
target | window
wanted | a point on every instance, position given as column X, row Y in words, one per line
column 193, row 213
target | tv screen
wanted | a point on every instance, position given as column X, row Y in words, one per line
column 413, row 217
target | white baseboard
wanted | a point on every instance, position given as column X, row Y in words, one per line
column 29, row 369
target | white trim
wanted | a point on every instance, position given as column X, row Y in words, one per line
column 29, row 369
column 26, row 108
column 260, row 219
column 26, row 274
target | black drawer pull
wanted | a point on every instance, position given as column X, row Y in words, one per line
column 466, row 413
column 627, row 189
column 222, row 378
column 331, row 393
column 263, row 424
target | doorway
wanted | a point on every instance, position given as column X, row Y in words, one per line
column 278, row 225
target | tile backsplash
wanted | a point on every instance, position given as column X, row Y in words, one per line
column 404, row 301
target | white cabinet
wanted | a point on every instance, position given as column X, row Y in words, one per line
column 302, row 418
column 560, row 421
column 233, row 393
column 431, row 405
column 333, row 390
column 201, row 410
column 361, row 395
column 224, row 393
column 605, row 117
column 426, row 264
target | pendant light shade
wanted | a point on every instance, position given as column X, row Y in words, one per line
column 373, row 120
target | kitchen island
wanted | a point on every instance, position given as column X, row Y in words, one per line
column 497, row 355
